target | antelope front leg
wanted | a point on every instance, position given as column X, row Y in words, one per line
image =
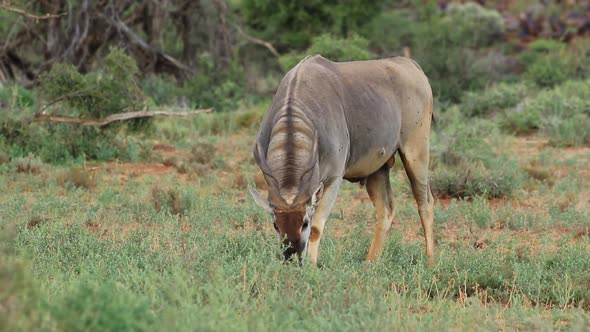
column 322, row 212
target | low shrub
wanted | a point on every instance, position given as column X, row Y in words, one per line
column 471, row 181
column 497, row 97
column 59, row 142
column 465, row 164
column 540, row 173
column 538, row 49
column 213, row 87
column 552, row 112
column 77, row 177
column 520, row 121
column 456, row 36
column 161, row 90
column 29, row 164
column 568, row 131
column 390, row 31
column 480, row 26
column 111, row 88
column 101, row 306
column 169, row 200
column 202, row 159
column 565, row 100
column 215, row 123
column 458, row 140
column 550, row 63
column 547, row 72
column 4, row 157
column 16, row 97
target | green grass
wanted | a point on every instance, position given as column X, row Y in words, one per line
column 145, row 250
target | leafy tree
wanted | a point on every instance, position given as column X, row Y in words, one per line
column 336, row 49
column 292, row 24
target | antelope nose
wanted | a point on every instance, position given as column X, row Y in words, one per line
column 292, row 248
column 289, row 252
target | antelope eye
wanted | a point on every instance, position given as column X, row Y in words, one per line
column 305, row 224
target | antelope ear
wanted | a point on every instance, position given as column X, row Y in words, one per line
column 317, row 195
column 260, row 201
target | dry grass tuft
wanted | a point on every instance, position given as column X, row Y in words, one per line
column 4, row 158
column 29, row 164
column 169, row 200
column 540, row 173
column 36, row 221
column 77, row 177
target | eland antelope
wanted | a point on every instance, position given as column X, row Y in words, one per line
column 331, row 121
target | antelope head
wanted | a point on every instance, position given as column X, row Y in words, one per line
column 292, row 221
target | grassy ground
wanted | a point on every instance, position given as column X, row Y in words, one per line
column 178, row 244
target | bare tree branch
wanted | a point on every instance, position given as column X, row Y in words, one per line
column 139, row 42
column 114, row 117
column 7, row 7
column 257, row 41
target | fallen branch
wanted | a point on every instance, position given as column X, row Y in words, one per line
column 114, row 117
column 257, row 41
column 8, row 8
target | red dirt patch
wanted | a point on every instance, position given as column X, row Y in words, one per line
column 134, row 169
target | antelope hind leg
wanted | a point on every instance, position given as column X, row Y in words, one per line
column 416, row 166
column 379, row 190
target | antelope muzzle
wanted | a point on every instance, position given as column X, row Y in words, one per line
column 293, row 249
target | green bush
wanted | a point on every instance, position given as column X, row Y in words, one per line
column 559, row 278
column 538, row 49
column 29, row 164
column 112, row 89
column 570, row 131
column 16, row 97
column 465, row 164
column 458, row 140
column 77, row 177
column 291, row 25
column 495, row 98
column 453, row 68
column 19, row 289
column 390, row 31
column 212, row 87
column 161, row 90
column 550, row 63
column 479, row 25
column 562, row 101
column 58, row 142
column 520, row 121
column 547, row 72
column 101, row 307
column 499, row 181
column 333, row 48
column 4, row 157
column 552, row 111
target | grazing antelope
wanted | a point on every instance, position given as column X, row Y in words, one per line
column 331, row 121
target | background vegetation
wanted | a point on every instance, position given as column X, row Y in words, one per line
column 146, row 224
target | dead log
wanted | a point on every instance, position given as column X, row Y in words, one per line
column 41, row 117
